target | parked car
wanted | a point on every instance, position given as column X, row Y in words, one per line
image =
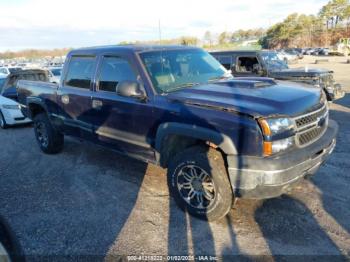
column 320, row 51
column 179, row 108
column 9, row 86
column 9, row 70
column 4, row 239
column 309, row 51
column 10, row 110
column 295, row 51
column 287, row 57
column 324, row 51
column 55, row 74
column 4, row 254
column 267, row 63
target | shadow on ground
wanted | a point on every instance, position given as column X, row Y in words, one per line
column 292, row 233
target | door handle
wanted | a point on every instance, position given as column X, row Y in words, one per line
column 97, row 104
column 65, row 99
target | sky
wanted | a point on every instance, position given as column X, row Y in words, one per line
column 47, row 24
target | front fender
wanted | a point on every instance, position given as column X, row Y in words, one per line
column 34, row 101
column 192, row 131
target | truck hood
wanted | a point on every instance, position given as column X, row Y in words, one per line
column 292, row 73
column 246, row 97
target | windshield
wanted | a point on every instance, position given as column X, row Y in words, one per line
column 56, row 72
column 170, row 70
column 273, row 62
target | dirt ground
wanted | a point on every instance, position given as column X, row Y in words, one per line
column 88, row 201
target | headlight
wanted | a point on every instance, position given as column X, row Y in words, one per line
column 278, row 134
column 274, row 126
column 11, row 107
column 281, row 145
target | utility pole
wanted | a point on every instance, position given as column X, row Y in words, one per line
column 160, row 33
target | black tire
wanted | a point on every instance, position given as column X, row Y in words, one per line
column 49, row 139
column 215, row 189
column 3, row 124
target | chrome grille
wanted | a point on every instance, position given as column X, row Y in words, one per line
column 310, row 118
column 311, row 135
column 311, row 126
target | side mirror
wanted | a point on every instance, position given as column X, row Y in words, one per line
column 130, row 89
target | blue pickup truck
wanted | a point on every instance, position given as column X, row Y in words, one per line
column 219, row 137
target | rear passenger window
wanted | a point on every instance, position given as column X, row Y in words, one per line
column 80, row 72
column 113, row 71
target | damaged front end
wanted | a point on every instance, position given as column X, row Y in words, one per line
column 324, row 81
column 332, row 89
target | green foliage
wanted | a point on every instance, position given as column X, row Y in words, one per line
column 303, row 29
column 34, row 53
column 334, row 12
column 189, row 40
column 224, row 38
column 240, row 35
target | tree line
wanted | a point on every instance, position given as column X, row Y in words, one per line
column 34, row 53
column 331, row 23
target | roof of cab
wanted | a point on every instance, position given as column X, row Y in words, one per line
column 127, row 48
column 235, row 51
column 227, row 52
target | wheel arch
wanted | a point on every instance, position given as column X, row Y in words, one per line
column 174, row 137
column 35, row 106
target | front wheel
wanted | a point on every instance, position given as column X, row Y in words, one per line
column 48, row 138
column 198, row 181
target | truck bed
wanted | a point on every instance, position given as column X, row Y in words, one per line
column 43, row 90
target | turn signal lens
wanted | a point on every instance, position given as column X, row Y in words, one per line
column 267, row 148
column 265, row 127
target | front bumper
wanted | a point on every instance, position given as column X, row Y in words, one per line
column 14, row 117
column 259, row 178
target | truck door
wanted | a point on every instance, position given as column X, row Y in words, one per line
column 74, row 96
column 120, row 122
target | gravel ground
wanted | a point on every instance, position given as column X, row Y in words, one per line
column 89, row 201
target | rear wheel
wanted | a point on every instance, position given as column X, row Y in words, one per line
column 48, row 138
column 199, row 183
column 3, row 124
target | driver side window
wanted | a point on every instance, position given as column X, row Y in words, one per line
column 113, row 71
column 248, row 64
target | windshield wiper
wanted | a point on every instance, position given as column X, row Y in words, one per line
column 182, row 86
column 217, row 78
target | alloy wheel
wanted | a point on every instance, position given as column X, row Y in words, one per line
column 42, row 135
column 196, row 186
